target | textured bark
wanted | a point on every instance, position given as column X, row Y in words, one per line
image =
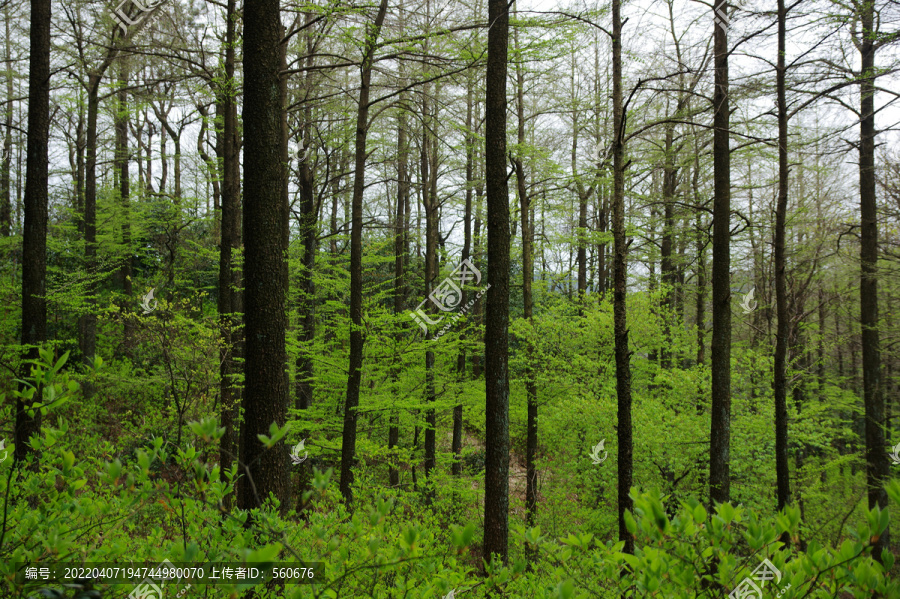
column 265, row 389
column 34, row 242
column 625, row 458
column 720, row 347
column 229, row 243
column 877, row 464
column 496, row 334
column 779, row 385
column 348, row 440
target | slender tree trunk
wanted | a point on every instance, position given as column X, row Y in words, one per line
column 496, row 334
column 34, row 242
column 229, row 242
column 877, row 464
column 667, row 245
column 430, row 206
column 401, row 249
column 720, row 435
column 531, row 440
column 122, row 155
column 265, row 389
column 625, row 459
column 309, row 214
column 354, row 379
column 6, row 162
column 779, row 386
column 456, row 446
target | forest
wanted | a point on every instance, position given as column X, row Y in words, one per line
column 451, row 299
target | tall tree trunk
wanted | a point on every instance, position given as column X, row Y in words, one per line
column 265, row 389
column 88, row 322
column 531, row 440
column 667, row 245
column 34, row 242
column 779, row 385
column 6, row 162
column 625, row 459
column 456, row 446
column 229, row 242
column 720, row 348
column 428, row 177
column 401, row 247
column 309, row 214
column 354, row 378
column 496, row 334
column 877, row 464
column 122, row 155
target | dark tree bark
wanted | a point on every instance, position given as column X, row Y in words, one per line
column 348, row 439
column 496, row 334
column 265, row 388
column 88, row 322
column 720, row 347
column 6, row 161
column 625, row 458
column 401, row 248
column 877, row 464
column 779, row 385
column 229, row 301
column 428, row 176
column 122, row 156
column 34, row 242
column 309, row 216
